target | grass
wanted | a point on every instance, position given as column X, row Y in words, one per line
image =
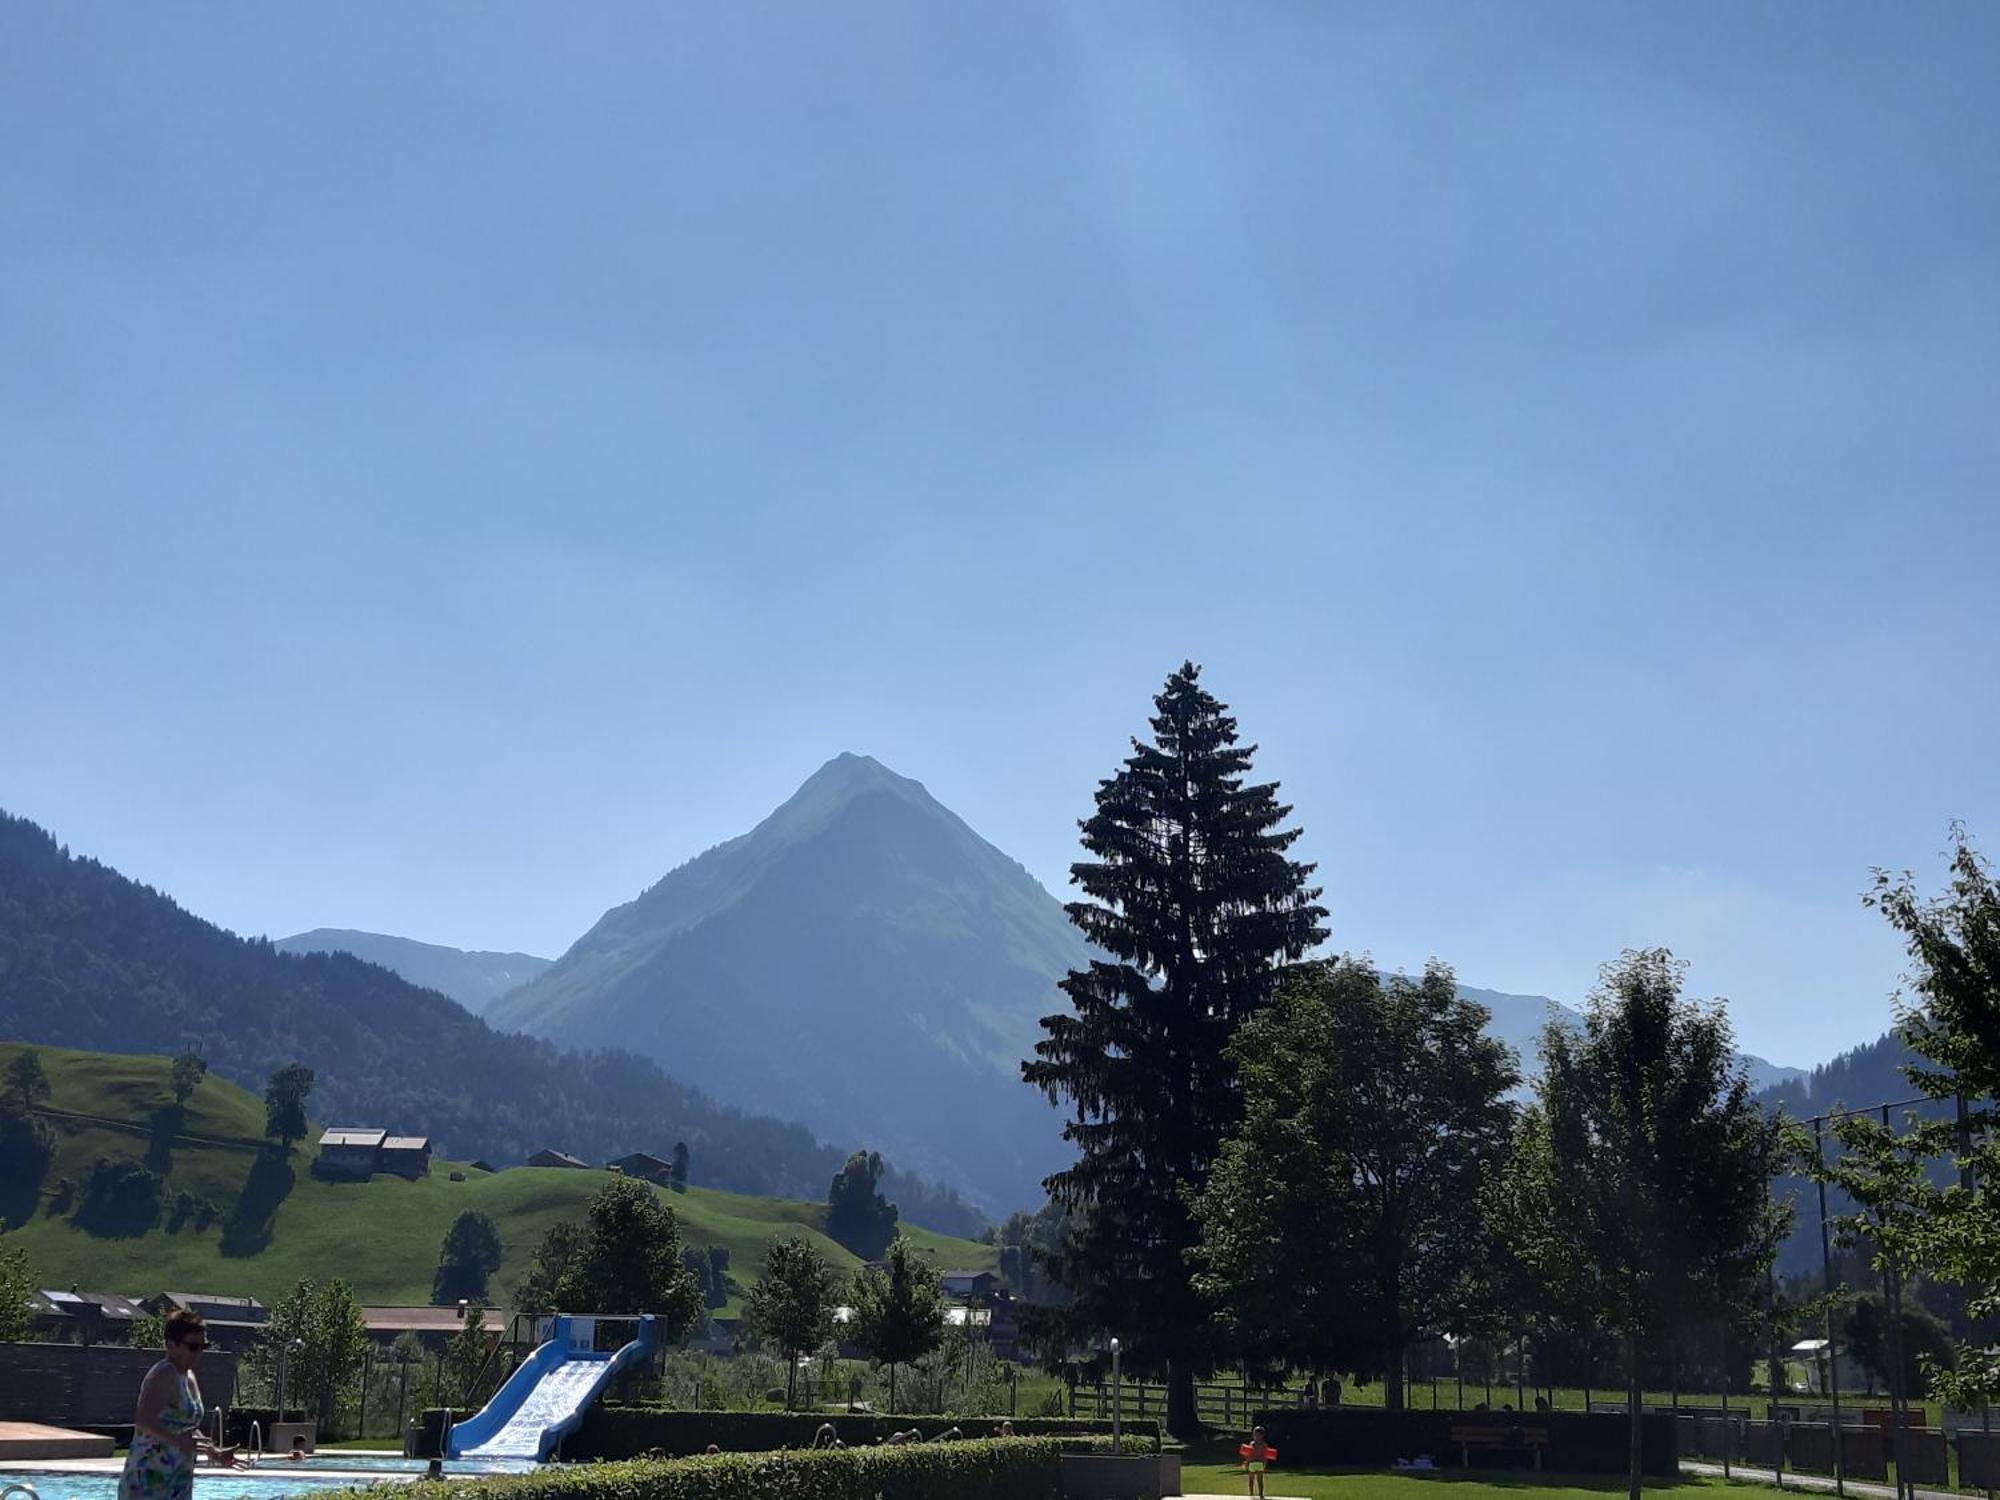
column 211, row 1149
column 1212, row 1469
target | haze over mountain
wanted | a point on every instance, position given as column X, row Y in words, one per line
column 473, row 978
column 92, row 960
column 1518, row 1020
column 861, row 959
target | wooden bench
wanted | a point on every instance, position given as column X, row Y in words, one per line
column 1498, row 1437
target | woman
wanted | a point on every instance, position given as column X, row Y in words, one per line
column 166, row 1432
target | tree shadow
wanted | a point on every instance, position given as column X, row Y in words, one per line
column 166, row 1124
column 121, row 1200
column 27, row 1147
column 248, row 1229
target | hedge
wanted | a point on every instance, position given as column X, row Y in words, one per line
column 1008, row 1469
column 615, row 1432
column 1574, row 1442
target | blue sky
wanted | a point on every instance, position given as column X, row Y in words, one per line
column 460, row 461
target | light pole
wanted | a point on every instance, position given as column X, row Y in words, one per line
column 284, row 1352
column 1117, row 1396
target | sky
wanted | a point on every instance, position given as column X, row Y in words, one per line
column 458, row 462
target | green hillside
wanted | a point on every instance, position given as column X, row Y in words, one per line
column 382, row 1235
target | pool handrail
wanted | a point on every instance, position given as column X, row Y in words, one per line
column 21, row 1487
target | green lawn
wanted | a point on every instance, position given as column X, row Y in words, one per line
column 1282, row 1483
column 382, row 1236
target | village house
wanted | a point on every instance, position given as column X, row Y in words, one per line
column 232, row 1322
column 644, row 1164
column 548, row 1156
column 356, row 1153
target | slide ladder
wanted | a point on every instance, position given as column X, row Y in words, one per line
column 544, row 1400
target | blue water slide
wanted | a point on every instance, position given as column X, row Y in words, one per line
column 544, row 1400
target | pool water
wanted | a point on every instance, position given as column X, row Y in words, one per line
column 67, row 1485
column 389, row 1463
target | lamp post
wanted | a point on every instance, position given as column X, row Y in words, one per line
column 1117, row 1396
column 284, row 1353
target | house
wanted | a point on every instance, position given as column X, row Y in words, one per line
column 644, row 1164
column 548, row 1156
column 407, row 1155
column 964, row 1286
column 481, row 1164
column 78, row 1317
column 232, row 1322
column 350, row 1153
column 434, row 1327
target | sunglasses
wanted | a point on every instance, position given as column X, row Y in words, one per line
column 197, row 1345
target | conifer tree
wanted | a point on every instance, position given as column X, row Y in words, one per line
column 1191, row 894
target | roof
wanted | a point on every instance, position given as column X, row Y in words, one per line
column 85, row 1304
column 645, row 1156
column 406, row 1143
column 228, row 1311
column 427, row 1320
column 366, row 1137
column 562, row 1156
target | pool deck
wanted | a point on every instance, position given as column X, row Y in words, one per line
column 33, row 1440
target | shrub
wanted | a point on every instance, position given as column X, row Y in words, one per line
column 1020, row 1469
column 616, row 1432
column 120, row 1198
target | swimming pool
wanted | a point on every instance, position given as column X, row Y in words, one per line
column 71, row 1484
column 391, row 1463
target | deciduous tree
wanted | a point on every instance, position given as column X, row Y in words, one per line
column 858, row 1217
column 1344, row 1215
column 1639, row 1183
column 27, row 1080
column 190, row 1067
column 285, row 1096
column 628, row 1260
column 898, row 1310
column 467, row 1259
column 791, row 1306
column 1191, row 896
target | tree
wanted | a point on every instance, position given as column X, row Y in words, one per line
column 17, row 1289
column 678, row 1176
column 1949, row 1230
column 466, row 1355
column 898, row 1310
column 285, row 1096
column 1639, row 1185
column 535, row 1295
column 1920, row 1338
column 791, row 1306
column 147, row 1331
column 1190, row 892
column 317, row 1330
column 27, row 1082
column 1344, row 1217
column 718, row 1275
column 190, row 1067
column 858, row 1217
column 628, row 1260
column 467, row 1259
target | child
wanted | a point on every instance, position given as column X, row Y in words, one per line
column 1257, row 1455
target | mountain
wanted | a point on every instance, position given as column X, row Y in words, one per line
column 92, row 960
column 473, row 978
column 860, row 960
column 1518, row 1020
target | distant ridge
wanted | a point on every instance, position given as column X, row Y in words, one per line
column 92, row 960
column 475, row 979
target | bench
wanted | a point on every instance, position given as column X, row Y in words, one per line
column 1498, row 1437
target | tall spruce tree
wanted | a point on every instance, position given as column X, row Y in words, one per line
column 1190, row 892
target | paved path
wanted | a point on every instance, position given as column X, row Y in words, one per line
column 1819, row 1483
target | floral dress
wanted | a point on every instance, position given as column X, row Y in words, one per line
column 155, row 1470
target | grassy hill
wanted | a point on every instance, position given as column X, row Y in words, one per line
column 275, row 1223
